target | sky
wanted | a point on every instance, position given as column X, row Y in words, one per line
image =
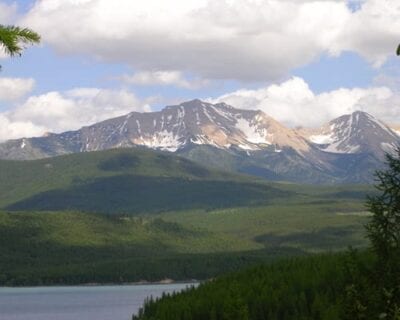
column 303, row 62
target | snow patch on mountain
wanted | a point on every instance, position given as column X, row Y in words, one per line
column 163, row 140
column 321, row 138
column 355, row 133
column 396, row 131
column 337, row 148
column 252, row 133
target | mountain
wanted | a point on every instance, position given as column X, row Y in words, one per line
column 172, row 129
column 358, row 132
column 130, row 181
column 396, row 129
column 355, row 145
column 346, row 150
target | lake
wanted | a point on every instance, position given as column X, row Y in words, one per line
column 78, row 303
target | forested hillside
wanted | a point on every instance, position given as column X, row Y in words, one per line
column 125, row 181
column 301, row 288
column 349, row 286
column 132, row 215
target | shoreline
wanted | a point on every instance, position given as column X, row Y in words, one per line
column 164, row 282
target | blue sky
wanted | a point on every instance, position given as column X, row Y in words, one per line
column 279, row 62
column 55, row 72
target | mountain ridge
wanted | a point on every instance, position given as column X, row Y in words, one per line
column 250, row 140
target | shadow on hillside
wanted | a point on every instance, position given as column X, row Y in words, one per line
column 330, row 238
column 133, row 194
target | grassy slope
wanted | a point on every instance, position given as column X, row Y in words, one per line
column 124, row 181
column 310, row 228
column 202, row 222
column 22, row 179
column 66, row 247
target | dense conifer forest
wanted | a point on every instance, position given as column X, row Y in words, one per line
column 348, row 286
column 298, row 288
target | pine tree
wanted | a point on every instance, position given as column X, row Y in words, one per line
column 13, row 39
column 384, row 233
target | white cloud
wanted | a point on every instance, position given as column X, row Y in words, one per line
column 163, row 78
column 291, row 102
column 16, row 129
column 8, row 12
column 15, row 88
column 373, row 31
column 58, row 112
column 295, row 104
column 218, row 39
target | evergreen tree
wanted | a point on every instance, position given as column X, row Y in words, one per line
column 13, row 39
column 384, row 233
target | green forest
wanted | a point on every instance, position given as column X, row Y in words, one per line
column 262, row 247
column 83, row 218
column 302, row 288
column 345, row 286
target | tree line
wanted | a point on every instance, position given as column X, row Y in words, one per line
column 350, row 286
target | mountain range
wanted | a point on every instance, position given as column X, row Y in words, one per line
column 348, row 149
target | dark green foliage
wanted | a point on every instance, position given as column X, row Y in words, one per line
column 375, row 292
column 125, row 181
column 301, row 288
column 358, row 289
column 144, row 194
column 70, row 248
column 120, row 162
column 73, row 248
column 166, row 217
column 13, row 39
column 110, row 179
column 325, row 238
column 348, row 287
column 384, row 228
column 79, row 265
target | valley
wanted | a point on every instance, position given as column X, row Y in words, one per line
column 199, row 160
column 82, row 218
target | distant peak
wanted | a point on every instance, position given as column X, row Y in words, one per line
column 359, row 112
column 362, row 114
column 194, row 102
column 355, row 117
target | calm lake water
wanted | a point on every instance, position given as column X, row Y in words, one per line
column 78, row 303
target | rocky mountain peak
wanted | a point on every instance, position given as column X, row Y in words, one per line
column 173, row 128
column 347, row 149
column 358, row 132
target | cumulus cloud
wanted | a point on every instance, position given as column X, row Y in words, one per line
column 15, row 88
column 58, row 112
column 292, row 102
column 163, row 78
column 295, row 104
column 10, row 129
column 218, row 39
column 8, row 12
column 373, row 31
